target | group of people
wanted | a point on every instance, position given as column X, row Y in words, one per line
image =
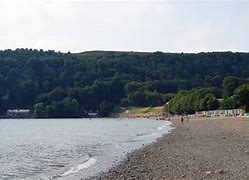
column 163, row 117
column 184, row 117
column 167, row 117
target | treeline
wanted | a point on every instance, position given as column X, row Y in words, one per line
column 55, row 84
column 233, row 94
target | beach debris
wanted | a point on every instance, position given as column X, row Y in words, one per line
column 183, row 175
column 220, row 171
column 224, row 138
column 246, row 152
column 208, row 172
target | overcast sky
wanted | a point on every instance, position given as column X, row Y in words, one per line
column 168, row 26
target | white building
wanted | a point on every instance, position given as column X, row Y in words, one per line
column 18, row 113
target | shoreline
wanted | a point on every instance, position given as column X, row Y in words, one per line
column 204, row 148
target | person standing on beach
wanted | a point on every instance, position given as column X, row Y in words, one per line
column 182, row 119
column 187, row 118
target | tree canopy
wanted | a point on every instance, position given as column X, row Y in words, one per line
column 56, row 84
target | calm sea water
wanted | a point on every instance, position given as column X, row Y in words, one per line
column 70, row 148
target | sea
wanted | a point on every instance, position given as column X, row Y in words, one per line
column 71, row 148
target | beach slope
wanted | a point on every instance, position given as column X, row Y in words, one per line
column 205, row 148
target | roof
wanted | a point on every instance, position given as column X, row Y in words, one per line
column 19, row 110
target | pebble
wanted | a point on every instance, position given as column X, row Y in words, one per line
column 175, row 159
column 220, row 171
column 208, row 172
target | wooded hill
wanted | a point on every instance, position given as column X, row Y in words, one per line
column 55, row 84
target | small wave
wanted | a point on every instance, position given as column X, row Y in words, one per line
column 143, row 134
column 161, row 127
column 132, row 140
column 78, row 168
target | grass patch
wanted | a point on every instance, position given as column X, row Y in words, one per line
column 146, row 110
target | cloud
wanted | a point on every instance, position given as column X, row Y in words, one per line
column 78, row 25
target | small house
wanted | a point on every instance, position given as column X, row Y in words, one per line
column 93, row 114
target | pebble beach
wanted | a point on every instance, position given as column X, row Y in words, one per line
column 203, row 148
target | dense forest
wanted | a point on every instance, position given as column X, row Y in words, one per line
column 55, row 84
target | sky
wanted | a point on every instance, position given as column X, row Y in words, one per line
column 138, row 25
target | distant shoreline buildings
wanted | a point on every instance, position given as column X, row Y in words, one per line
column 228, row 112
column 18, row 113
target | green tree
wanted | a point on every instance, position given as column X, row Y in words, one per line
column 229, row 103
column 105, row 109
column 56, row 94
column 209, row 102
column 137, row 98
column 242, row 93
column 39, row 110
column 154, row 99
column 229, row 85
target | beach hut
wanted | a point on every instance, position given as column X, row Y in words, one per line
column 246, row 114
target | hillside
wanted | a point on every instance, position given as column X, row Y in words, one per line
column 58, row 84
